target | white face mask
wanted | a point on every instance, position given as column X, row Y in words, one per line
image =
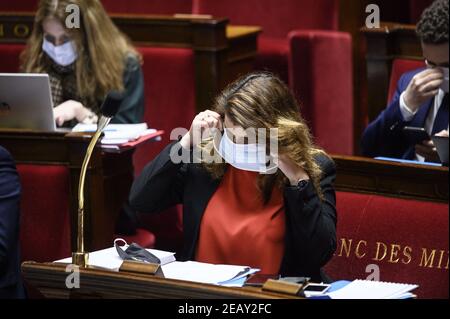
column 63, row 55
column 247, row 157
column 445, row 84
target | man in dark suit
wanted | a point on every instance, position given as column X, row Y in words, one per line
column 10, row 281
column 421, row 99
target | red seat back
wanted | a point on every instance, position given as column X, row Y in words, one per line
column 416, row 7
column 399, row 67
column 22, row 5
column 148, row 6
column 277, row 17
column 114, row 6
column 407, row 240
column 9, row 57
column 45, row 215
column 169, row 80
column 321, row 76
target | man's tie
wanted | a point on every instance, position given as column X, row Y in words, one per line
column 441, row 120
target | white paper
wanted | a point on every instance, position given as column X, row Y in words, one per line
column 365, row 289
column 117, row 133
column 109, row 259
column 205, row 273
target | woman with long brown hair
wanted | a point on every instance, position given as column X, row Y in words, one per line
column 84, row 63
column 269, row 204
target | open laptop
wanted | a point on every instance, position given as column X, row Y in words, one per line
column 26, row 102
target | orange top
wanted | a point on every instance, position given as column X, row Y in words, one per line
column 237, row 228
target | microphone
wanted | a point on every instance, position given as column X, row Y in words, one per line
column 108, row 110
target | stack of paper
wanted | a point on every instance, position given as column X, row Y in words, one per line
column 109, row 258
column 117, row 133
column 365, row 289
column 225, row 275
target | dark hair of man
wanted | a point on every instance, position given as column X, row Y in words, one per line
column 433, row 25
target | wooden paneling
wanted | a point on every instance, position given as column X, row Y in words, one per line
column 50, row 281
column 415, row 181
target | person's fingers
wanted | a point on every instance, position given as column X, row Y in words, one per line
column 211, row 121
column 213, row 114
column 59, row 121
column 430, row 86
column 436, row 75
column 424, row 150
column 443, row 133
column 428, row 72
column 430, row 94
column 420, row 149
column 428, row 143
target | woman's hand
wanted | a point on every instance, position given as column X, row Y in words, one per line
column 291, row 169
column 68, row 111
column 201, row 127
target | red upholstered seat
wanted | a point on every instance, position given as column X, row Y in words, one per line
column 277, row 18
column 169, row 80
column 22, row 5
column 406, row 239
column 273, row 56
column 320, row 69
column 9, row 57
column 115, row 6
column 45, row 216
column 148, row 6
column 399, row 67
column 416, row 8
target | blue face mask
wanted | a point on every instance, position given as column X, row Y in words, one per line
column 247, row 157
column 63, row 55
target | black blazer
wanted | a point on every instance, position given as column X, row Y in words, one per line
column 10, row 281
column 310, row 238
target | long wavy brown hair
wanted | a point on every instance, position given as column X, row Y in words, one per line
column 102, row 49
column 261, row 100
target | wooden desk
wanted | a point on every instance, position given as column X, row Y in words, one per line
column 414, row 181
column 49, row 279
column 391, row 41
column 221, row 52
column 108, row 180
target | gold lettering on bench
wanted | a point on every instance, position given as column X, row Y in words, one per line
column 393, row 253
column 377, row 255
column 427, row 258
column 357, row 252
column 407, row 253
column 345, row 247
column 21, row 31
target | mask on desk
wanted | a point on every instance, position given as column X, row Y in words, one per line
column 247, row 157
column 135, row 252
column 445, row 85
column 63, row 55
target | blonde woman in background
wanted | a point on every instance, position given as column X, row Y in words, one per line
column 84, row 63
